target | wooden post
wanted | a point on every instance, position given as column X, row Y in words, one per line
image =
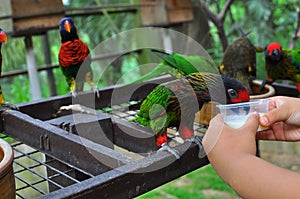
column 32, row 69
column 47, row 54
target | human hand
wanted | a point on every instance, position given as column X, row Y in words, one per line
column 283, row 120
column 232, row 154
column 225, row 145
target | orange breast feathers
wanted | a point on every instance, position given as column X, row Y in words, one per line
column 72, row 53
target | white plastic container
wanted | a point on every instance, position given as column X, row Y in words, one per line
column 235, row 115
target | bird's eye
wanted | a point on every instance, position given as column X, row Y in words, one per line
column 232, row 93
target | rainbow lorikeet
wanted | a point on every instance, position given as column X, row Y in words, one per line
column 282, row 64
column 74, row 58
column 3, row 38
column 179, row 65
column 174, row 104
column 239, row 60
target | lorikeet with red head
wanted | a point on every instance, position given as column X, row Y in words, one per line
column 282, row 64
column 174, row 104
column 74, row 55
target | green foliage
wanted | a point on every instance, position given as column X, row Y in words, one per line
column 201, row 183
column 267, row 21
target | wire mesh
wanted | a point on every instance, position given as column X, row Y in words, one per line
column 37, row 174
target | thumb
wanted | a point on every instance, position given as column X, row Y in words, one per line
column 275, row 115
column 252, row 122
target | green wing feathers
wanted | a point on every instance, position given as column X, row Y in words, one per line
column 159, row 96
column 179, row 65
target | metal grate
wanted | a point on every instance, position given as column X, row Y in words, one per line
column 37, row 174
column 51, row 162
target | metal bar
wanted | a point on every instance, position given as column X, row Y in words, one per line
column 133, row 137
column 25, row 72
column 135, row 179
column 20, row 196
column 49, row 67
column 45, row 109
column 74, row 150
column 97, row 128
column 60, row 173
column 111, row 95
column 28, row 184
column 39, row 175
column 68, row 165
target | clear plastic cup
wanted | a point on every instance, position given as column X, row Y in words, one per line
column 235, row 115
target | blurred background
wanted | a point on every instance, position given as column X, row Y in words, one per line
column 98, row 20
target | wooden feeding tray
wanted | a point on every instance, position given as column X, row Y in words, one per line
column 285, row 89
column 93, row 153
column 27, row 17
column 166, row 12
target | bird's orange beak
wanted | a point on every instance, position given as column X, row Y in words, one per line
column 67, row 26
column 3, row 37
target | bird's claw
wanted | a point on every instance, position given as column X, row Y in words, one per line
column 198, row 140
column 96, row 91
column 10, row 106
column 66, row 126
column 166, row 147
column 73, row 93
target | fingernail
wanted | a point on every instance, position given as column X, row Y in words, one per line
column 263, row 121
